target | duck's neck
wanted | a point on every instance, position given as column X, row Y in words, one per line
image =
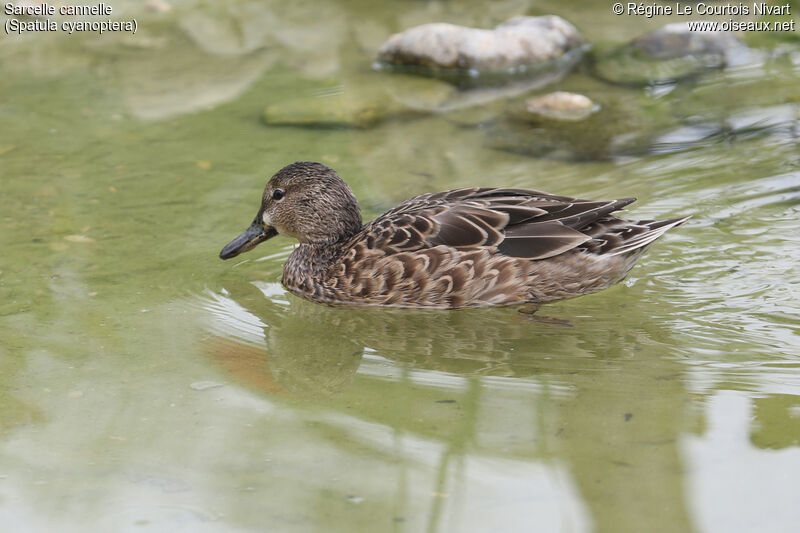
column 307, row 268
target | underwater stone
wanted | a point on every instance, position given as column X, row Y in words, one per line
column 337, row 111
column 561, row 105
column 667, row 54
column 515, row 45
column 675, row 40
column 625, row 124
column 361, row 102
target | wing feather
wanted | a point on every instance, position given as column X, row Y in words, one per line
column 540, row 241
column 520, row 223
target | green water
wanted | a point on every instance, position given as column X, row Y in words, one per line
column 145, row 385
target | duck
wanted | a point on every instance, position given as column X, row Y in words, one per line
column 461, row 248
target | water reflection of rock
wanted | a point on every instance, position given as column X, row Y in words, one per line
column 197, row 56
column 152, row 91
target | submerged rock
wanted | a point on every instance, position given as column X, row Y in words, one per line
column 361, row 102
column 364, row 101
column 667, row 54
column 561, row 105
column 622, row 126
column 337, row 110
column 675, row 40
column 340, row 110
column 451, row 51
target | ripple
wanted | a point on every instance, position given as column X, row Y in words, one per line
column 227, row 318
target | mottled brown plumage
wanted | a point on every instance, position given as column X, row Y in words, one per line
column 462, row 248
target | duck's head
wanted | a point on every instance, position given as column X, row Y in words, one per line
column 304, row 200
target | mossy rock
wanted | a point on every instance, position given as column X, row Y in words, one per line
column 620, row 127
column 668, row 54
column 360, row 102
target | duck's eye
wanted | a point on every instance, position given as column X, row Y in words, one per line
column 278, row 194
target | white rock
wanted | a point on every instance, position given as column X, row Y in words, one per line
column 561, row 105
column 516, row 44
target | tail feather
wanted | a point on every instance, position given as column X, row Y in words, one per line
column 655, row 230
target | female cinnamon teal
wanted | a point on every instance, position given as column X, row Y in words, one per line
column 469, row 247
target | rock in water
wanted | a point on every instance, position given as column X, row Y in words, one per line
column 361, row 102
column 667, row 54
column 675, row 40
column 515, row 46
column 625, row 124
column 561, row 105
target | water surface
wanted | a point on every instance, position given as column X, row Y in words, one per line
column 147, row 386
